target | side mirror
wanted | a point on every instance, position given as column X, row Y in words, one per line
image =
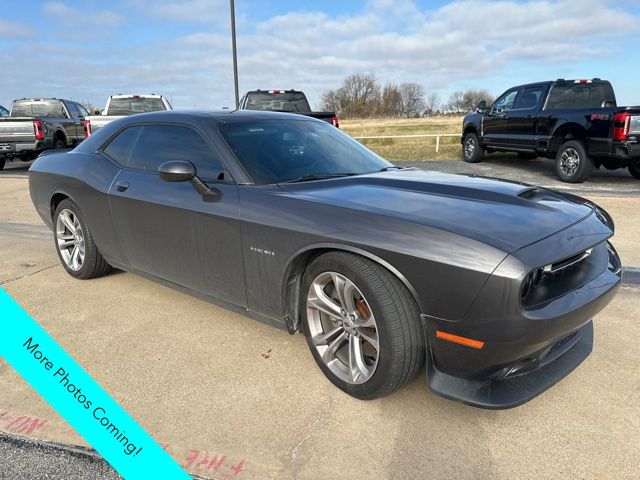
column 177, row 171
column 482, row 107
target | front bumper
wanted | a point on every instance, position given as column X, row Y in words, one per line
column 555, row 363
column 10, row 149
column 526, row 347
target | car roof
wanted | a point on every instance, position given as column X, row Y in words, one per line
column 219, row 116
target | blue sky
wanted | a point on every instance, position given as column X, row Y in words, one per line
column 89, row 49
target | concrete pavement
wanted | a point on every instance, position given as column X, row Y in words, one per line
column 229, row 397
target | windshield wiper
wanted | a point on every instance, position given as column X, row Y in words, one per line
column 392, row 167
column 318, row 176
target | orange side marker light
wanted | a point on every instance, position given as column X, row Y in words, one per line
column 468, row 342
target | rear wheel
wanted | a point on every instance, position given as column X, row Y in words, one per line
column 361, row 325
column 573, row 165
column 74, row 243
column 59, row 144
column 2, row 162
column 634, row 169
column 472, row 152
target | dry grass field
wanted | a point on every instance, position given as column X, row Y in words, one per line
column 417, row 148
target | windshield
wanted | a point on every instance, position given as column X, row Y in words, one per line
column 37, row 108
column 283, row 102
column 3, row 112
column 275, row 151
column 131, row 105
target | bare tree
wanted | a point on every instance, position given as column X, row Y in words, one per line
column 412, row 99
column 359, row 95
column 391, row 101
column 432, row 104
column 472, row 98
column 455, row 104
column 330, row 102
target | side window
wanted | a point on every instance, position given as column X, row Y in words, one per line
column 121, row 146
column 506, row 101
column 162, row 143
column 73, row 110
column 530, row 97
column 81, row 110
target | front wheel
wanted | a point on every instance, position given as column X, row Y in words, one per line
column 472, row 152
column 2, row 162
column 74, row 243
column 634, row 169
column 59, row 144
column 361, row 325
column 573, row 164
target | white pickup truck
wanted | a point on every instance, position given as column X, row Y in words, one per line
column 119, row 106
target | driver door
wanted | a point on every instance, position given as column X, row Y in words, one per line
column 166, row 229
column 496, row 126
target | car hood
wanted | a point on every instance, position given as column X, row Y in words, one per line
column 511, row 214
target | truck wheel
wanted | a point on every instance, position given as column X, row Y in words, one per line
column 573, row 165
column 2, row 162
column 472, row 152
column 634, row 170
column 59, row 144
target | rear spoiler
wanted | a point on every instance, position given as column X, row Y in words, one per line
column 54, row 151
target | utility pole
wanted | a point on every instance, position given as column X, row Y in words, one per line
column 235, row 53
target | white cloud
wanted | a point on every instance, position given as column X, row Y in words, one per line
column 70, row 16
column 462, row 42
column 14, row 29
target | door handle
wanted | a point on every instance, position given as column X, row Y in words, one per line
column 122, row 186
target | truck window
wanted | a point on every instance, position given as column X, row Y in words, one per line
column 580, row 95
column 283, row 102
column 506, row 101
column 529, row 98
column 37, row 108
column 131, row 105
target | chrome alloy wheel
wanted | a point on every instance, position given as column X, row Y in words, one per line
column 70, row 239
column 469, row 148
column 342, row 328
column 569, row 161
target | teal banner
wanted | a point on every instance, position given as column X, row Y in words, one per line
column 83, row 403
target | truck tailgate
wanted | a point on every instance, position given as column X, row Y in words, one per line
column 99, row 121
column 16, row 130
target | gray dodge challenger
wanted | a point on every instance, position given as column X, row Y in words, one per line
column 491, row 284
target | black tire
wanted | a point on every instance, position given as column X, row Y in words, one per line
column 573, row 164
column 401, row 352
column 59, row 144
column 2, row 162
column 93, row 265
column 527, row 155
column 472, row 151
column 634, row 170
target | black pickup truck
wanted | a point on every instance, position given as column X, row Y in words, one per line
column 39, row 124
column 576, row 122
column 290, row 101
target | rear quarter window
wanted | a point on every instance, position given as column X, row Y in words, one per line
column 120, row 148
column 580, row 96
